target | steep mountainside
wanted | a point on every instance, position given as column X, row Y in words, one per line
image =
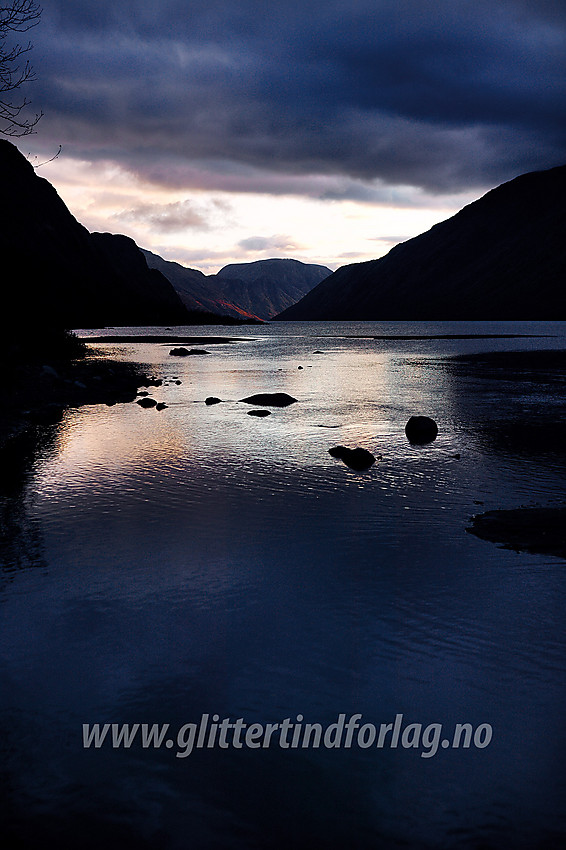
column 502, row 257
column 56, row 274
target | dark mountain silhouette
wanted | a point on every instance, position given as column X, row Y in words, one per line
column 195, row 289
column 258, row 290
column 502, row 257
column 269, row 286
column 56, row 274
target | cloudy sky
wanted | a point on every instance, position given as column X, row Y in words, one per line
column 216, row 131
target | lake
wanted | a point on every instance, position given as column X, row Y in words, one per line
column 159, row 567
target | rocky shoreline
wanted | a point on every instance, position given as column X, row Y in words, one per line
column 41, row 391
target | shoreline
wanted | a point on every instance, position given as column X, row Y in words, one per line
column 42, row 391
column 166, row 339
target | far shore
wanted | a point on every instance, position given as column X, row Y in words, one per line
column 166, row 340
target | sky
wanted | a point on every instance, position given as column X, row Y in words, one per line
column 215, row 132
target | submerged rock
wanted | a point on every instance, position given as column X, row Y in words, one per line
column 146, row 402
column 358, row 459
column 259, row 412
column 51, row 372
column 270, row 399
column 212, row 400
column 421, row 430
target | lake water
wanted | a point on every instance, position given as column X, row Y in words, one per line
column 160, row 566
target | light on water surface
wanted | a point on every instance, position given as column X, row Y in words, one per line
column 200, row 560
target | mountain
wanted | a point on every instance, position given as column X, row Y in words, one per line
column 245, row 290
column 56, row 274
column 195, row 289
column 269, row 286
column 502, row 257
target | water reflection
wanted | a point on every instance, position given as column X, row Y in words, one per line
column 196, row 560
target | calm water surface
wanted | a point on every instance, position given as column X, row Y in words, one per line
column 163, row 565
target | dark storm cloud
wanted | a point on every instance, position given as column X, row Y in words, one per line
column 444, row 95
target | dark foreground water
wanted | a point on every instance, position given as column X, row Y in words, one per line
column 159, row 567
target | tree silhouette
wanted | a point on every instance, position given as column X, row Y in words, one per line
column 15, row 17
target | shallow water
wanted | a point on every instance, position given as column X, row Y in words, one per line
column 164, row 565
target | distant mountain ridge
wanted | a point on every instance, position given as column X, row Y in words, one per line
column 259, row 289
column 502, row 257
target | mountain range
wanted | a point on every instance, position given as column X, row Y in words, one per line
column 502, row 257
column 57, row 274
column 257, row 290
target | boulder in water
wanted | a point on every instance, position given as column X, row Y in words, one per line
column 358, row 459
column 270, row 399
column 421, row 430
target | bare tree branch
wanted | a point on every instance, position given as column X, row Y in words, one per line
column 45, row 161
column 17, row 16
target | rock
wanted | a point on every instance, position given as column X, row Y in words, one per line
column 146, row 402
column 536, row 530
column 421, row 430
column 183, row 352
column 143, row 393
column 259, row 412
column 318, row 352
column 49, row 370
column 358, row 459
column 160, row 405
column 299, row 367
column 270, row 399
column 212, row 400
